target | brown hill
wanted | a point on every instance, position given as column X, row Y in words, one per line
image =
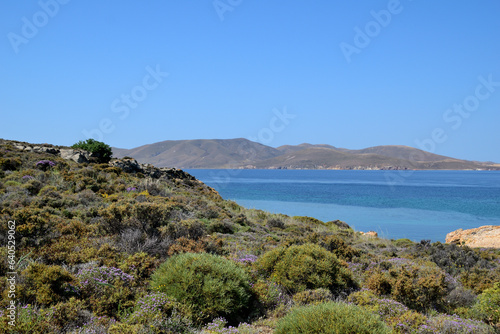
column 242, row 153
column 404, row 152
column 210, row 153
column 325, row 158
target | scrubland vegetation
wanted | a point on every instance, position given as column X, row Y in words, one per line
column 99, row 250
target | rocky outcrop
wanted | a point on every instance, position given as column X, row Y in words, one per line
column 75, row 155
column 484, row 236
column 371, row 234
column 39, row 149
column 340, row 224
column 130, row 165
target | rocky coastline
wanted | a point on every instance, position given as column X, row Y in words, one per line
column 482, row 237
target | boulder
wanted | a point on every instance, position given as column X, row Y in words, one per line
column 128, row 165
column 485, row 237
column 340, row 224
column 75, row 155
column 371, row 234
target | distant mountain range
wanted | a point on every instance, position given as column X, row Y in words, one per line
column 242, row 153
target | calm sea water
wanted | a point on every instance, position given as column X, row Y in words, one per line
column 411, row 204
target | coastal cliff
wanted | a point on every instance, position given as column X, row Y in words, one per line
column 484, row 237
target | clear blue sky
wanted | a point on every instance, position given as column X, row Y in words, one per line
column 73, row 66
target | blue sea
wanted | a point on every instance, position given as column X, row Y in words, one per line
column 397, row 204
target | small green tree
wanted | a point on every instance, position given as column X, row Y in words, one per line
column 101, row 151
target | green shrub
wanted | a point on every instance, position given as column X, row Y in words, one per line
column 106, row 288
column 30, row 319
column 452, row 258
column 209, row 285
column 225, row 226
column 309, row 266
column 151, row 307
column 488, row 305
column 68, row 249
column 403, row 243
column 46, row 285
column 393, row 313
column 65, row 313
column 363, row 298
column 308, row 220
column 331, row 318
column 410, row 322
column 140, row 266
column 275, row 223
column 268, row 294
column 189, row 228
column 453, row 324
column 312, row 296
column 380, row 282
column 10, row 163
column 479, row 279
column 185, row 245
column 121, row 328
column 420, row 288
column 33, row 227
column 337, row 246
column 101, row 151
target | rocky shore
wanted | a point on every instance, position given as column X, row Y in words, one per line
column 484, row 237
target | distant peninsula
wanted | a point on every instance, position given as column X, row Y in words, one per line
column 245, row 154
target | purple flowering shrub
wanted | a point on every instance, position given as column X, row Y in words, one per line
column 313, row 296
column 269, row 294
column 153, row 306
column 106, row 288
column 246, row 258
column 45, row 164
column 96, row 324
column 453, row 324
column 96, row 279
column 218, row 326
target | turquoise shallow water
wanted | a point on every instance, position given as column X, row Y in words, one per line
column 413, row 204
